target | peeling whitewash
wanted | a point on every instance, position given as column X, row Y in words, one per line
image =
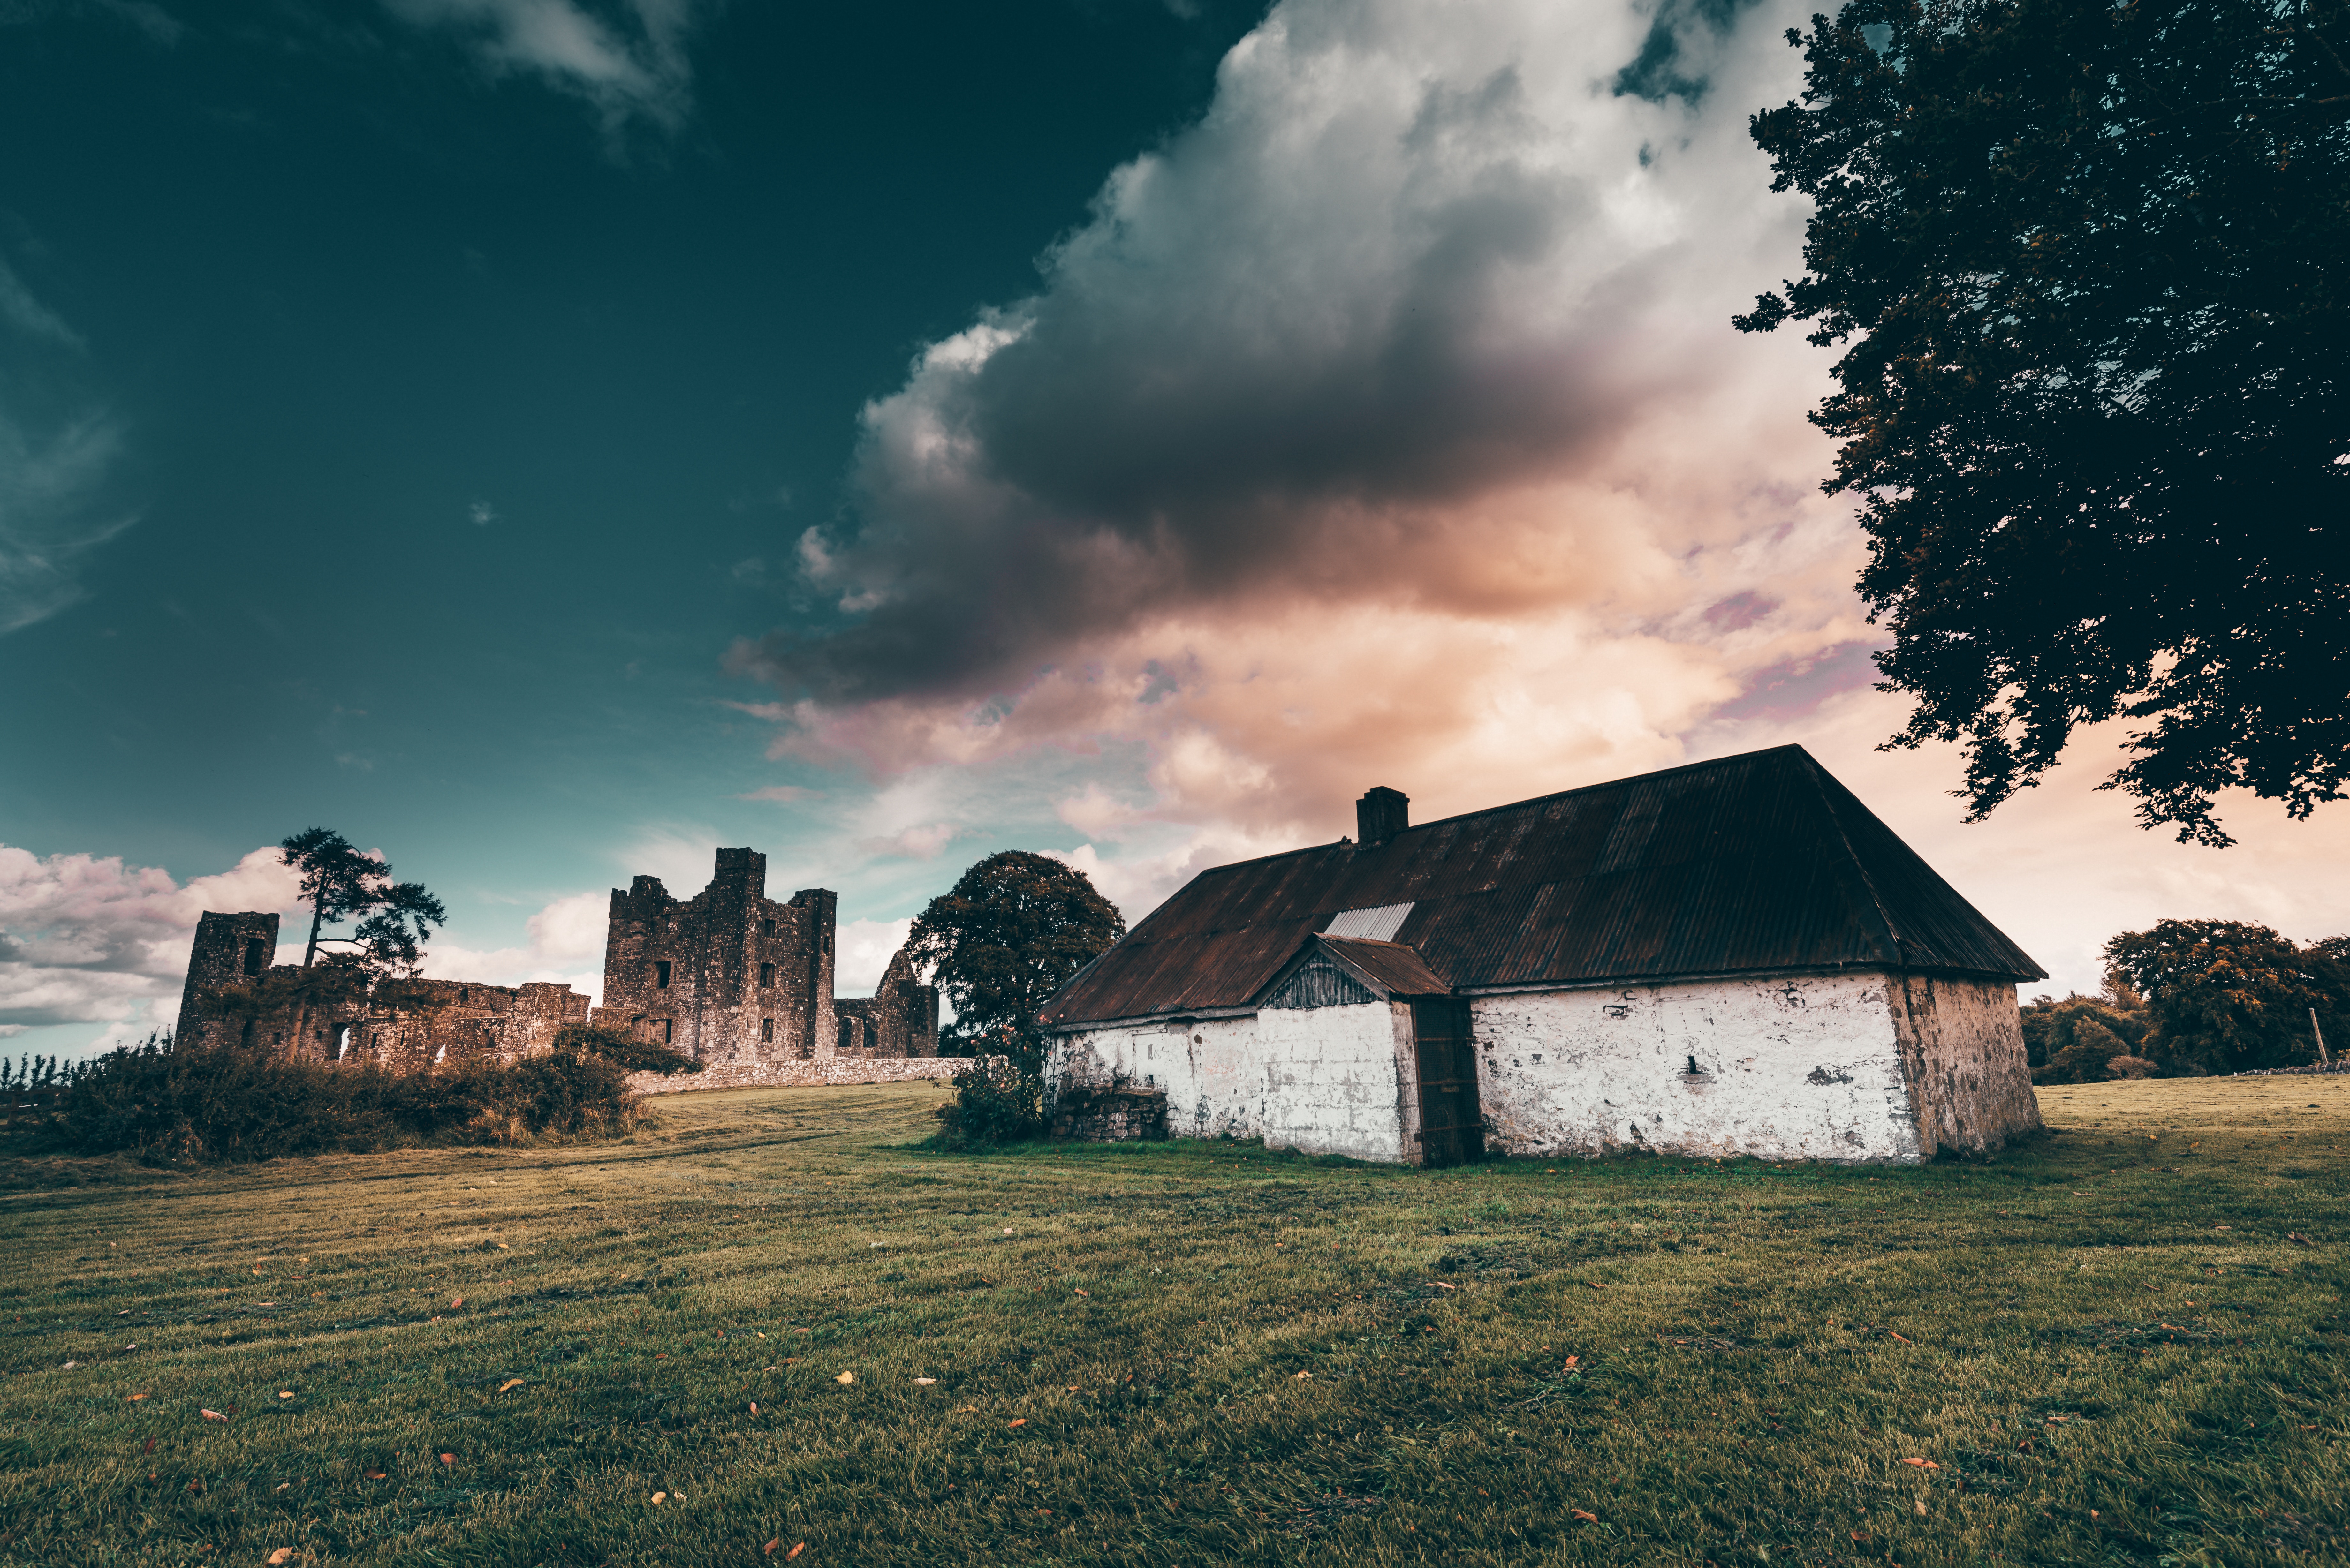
column 1851, row 1067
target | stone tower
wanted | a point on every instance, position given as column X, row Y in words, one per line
column 230, row 950
column 727, row 977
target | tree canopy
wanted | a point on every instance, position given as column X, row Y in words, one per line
column 1011, row 932
column 2229, row 997
column 342, row 882
column 2087, row 261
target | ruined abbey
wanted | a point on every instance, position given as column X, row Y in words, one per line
column 729, row 978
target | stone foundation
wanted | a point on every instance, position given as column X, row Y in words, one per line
column 1110, row 1116
column 811, row 1074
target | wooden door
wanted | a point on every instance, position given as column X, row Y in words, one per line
column 1452, row 1124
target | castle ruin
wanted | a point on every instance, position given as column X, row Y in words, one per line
column 729, row 978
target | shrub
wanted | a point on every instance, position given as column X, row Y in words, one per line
column 236, row 1103
column 995, row 1102
column 624, row 1050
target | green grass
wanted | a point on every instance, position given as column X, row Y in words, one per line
column 1188, row 1353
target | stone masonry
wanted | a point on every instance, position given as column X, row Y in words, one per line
column 729, row 977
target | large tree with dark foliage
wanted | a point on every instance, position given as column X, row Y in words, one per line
column 339, row 882
column 2087, row 262
column 2229, row 997
column 1007, row 935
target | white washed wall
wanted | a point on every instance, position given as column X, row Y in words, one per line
column 1846, row 1067
column 1799, row 1068
column 1321, row 1080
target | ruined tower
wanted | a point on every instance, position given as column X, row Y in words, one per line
column 727, row 977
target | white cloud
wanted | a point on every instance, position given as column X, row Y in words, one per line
column 923, row 843
column 28, row 316
column 630, row 63
column 88, row 939
column 780, row 795
column 862, row 951
column 566, row 948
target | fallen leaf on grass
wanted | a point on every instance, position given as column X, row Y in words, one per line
column 845, row 1377
column 2298, row 1240
column 1922, row 1464
column 136, row 1397
column 510, row 1383
column 926, row 1382
column 283, row 1555
column 795, row 1550
column 1441, row 1285
column 456, row 1305
column 1585, row 1514
column 659, row 1498
column 770, row 1547
column 1305, row 1375
column 211, row 1415
column 966, row 1410
column 1022, row 1422
column 754, row 1407
column 286, row 1393
column 1085, row 1292
column 1890, row 1335
column 1595, row 1285
column 448, row 1459
column 375, row 1475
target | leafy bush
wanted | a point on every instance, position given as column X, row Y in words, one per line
column 998, row 1099
column 236, row 1103
column 624, row 1050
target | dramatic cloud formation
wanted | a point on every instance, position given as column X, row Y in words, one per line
column 629, row 65
column 1385, row 426
column 92, row 940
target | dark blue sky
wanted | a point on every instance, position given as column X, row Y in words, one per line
column 335, row 287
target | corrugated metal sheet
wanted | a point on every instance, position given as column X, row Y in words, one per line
column 1759, row 862
column 1379, row 923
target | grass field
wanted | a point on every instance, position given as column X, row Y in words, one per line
column 2106, row 1348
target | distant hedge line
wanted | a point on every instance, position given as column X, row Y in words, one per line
column 232, row 1103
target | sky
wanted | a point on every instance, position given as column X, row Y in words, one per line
column 547, row 440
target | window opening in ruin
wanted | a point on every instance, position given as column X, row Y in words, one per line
column 667, row 1025
column 442, row 1053
column 660, row 975
column 766, row 1029
column 343, row 1043
column 766, row 927
column 766, row 976
column 254, row 950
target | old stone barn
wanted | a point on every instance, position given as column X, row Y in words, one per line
column 729, row 977
column 1732, row 958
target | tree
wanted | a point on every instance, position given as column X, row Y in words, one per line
column 2229, row 997
column 2087, row 258
column 1013, row 930
column 339, row 882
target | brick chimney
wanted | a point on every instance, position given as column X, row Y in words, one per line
column 1381, row 813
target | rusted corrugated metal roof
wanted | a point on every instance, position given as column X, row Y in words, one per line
column 1392, row 967
column 1759, row 862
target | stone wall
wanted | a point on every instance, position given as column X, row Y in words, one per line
column 899, row 1019
column 1963, row 1044
column 809, row 1075
column 1110, row 1116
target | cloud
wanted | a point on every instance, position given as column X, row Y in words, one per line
column 1384, row 426
column 87, row 939
column 482, row 514
column 28, row 316
column 630, row 63
column 566, row 947
column 861, row 952
column 51, row 475
column 923, row 843
column 781, row 794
